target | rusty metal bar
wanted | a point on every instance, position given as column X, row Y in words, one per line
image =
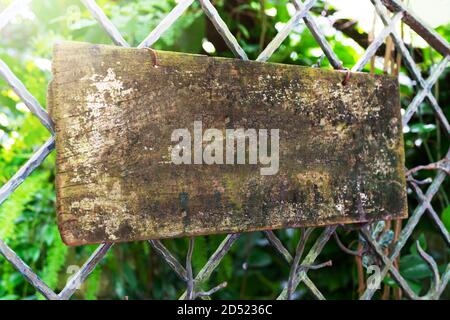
column 223, row 30
column 418, row 98
column 433, row 214
column 395, row 273
column 408, row 229
column 29, row 100
column 372, row 49
column 104, row 22
column 214, row 261
column 284, row 32
column 77, row 280
column 165, row 24
column 190, row 277
column 11, row 11
column 309, row 259
column 300, row 274
column 298, row 255
column 409, row 61
column 169, row 258
column 284, row 253
column 36, row 159
column 26, row 271
column 429, row 35
column 320, row 38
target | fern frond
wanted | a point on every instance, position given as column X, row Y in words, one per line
column 54, row 261
column 14, row 206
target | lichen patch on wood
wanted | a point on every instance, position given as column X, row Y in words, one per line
column 340, row 149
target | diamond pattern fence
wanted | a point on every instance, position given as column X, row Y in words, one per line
column 391, row 13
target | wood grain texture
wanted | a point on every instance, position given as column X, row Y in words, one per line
column 341, row 148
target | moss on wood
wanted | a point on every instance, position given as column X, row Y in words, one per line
column 341, row 149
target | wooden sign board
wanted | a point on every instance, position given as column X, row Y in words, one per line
column 122, row 114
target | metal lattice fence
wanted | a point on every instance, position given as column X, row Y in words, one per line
column 299, row 266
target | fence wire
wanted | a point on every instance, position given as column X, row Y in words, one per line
column 391, row 13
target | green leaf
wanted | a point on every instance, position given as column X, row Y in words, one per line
column 423, row 244
column 390, row 282
column 93, row 284
column 244, row 31
column 422, row 128
column 200, row 253
column 14, row 206
column 446, row 218
column 413, row 267
column 9, row 297
column 259, row 259
column 55, row 260
column 415, row 286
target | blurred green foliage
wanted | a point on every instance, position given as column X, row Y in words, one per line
column 252, row 269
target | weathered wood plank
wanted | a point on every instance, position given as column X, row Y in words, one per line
column 341, row 152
